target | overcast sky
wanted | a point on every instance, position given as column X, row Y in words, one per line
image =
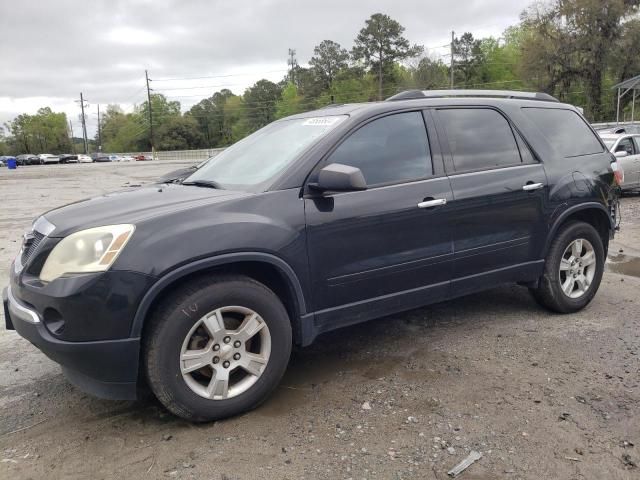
column 52, row 50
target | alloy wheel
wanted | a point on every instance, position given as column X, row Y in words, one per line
column 577, row 268
column 225, row 352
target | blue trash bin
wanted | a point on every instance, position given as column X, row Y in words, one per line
column 11, row 163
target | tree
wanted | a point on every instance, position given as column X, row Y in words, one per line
column 209, row 114
column 328, row 59
column 234, row 127
column 502, row 59
column 46, row 131
column 468, row 58
column 260, row 104
column 290, row 103
column 4, row 143
column 161, row 108
column 179, row 133
column 571, row 41
column 430, row 74
column 380, row 44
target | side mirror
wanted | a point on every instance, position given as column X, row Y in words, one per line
column 340, row 178
column 621, row 154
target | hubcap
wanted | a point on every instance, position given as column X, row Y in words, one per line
column 577, row 268
column 225, row 352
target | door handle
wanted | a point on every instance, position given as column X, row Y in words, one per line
column 432, row 203
column 532, row 186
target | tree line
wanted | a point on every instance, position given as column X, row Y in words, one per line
column 573, row 49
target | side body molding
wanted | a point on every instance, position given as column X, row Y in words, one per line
column 202, row 264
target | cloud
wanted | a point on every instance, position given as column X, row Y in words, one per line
column 134, row 36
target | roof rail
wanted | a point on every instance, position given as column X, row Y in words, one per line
column 416, row 94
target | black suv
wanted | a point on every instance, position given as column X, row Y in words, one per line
column 200, row 289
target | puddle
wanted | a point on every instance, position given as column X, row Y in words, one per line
column 624, row 265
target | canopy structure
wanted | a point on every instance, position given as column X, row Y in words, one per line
column 630, row 85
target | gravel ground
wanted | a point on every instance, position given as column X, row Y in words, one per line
column 542, row 396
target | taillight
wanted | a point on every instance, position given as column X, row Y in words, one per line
column 618, row 173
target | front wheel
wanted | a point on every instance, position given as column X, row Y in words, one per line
column 573, row 269
column 217, row 347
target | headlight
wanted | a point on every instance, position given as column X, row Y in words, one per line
column 92, row 250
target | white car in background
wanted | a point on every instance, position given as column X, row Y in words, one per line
column 84, row 159
column 126, row 158
column 48, row 158
column 626, row 148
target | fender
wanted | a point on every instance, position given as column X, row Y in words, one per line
column 202, row 264
column 571, row 210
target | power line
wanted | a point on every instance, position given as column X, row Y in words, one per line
column 140, row 90
column 218, row 76
column 203, row 86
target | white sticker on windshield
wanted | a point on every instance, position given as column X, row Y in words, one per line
column 321, row 121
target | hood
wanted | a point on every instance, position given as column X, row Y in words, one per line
column 134, row 206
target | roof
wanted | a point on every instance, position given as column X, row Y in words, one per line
column 633, row 82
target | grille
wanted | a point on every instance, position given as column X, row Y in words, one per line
column 30, row 245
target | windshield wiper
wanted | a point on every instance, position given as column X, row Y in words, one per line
column 204, row 183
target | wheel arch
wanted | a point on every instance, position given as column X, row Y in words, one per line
column 268, row 269
column 592, row 213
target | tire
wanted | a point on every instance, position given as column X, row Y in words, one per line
column 179, row 321
column 550, row 293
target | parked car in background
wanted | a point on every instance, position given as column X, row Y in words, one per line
column 315, row 222
column 28, row 159
column 126, row 158
column 100, row 157
column 48, row 158
column 626, row 148
column 68, row 158
column 618, row 129
column 84, row 159
column 143, row 158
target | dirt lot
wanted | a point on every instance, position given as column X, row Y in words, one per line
column 542, row 396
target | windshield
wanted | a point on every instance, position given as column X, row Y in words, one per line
column 265, row 153
column 609, row 143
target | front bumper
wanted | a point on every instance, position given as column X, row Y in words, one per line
column 106, row 369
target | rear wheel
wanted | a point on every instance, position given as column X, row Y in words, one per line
column 573, row 269
column 217, row 348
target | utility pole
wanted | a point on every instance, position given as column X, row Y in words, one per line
column 452, row 60
column 84, row 125
column 293, row 62
column 73, row 144
column 146, row 74
column 99, row 131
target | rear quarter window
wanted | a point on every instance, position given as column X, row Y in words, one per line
column 565, row 130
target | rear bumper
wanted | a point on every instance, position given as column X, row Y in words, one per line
column 106, row 369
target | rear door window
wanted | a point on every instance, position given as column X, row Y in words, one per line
column 565, row 130
column 479, row 138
